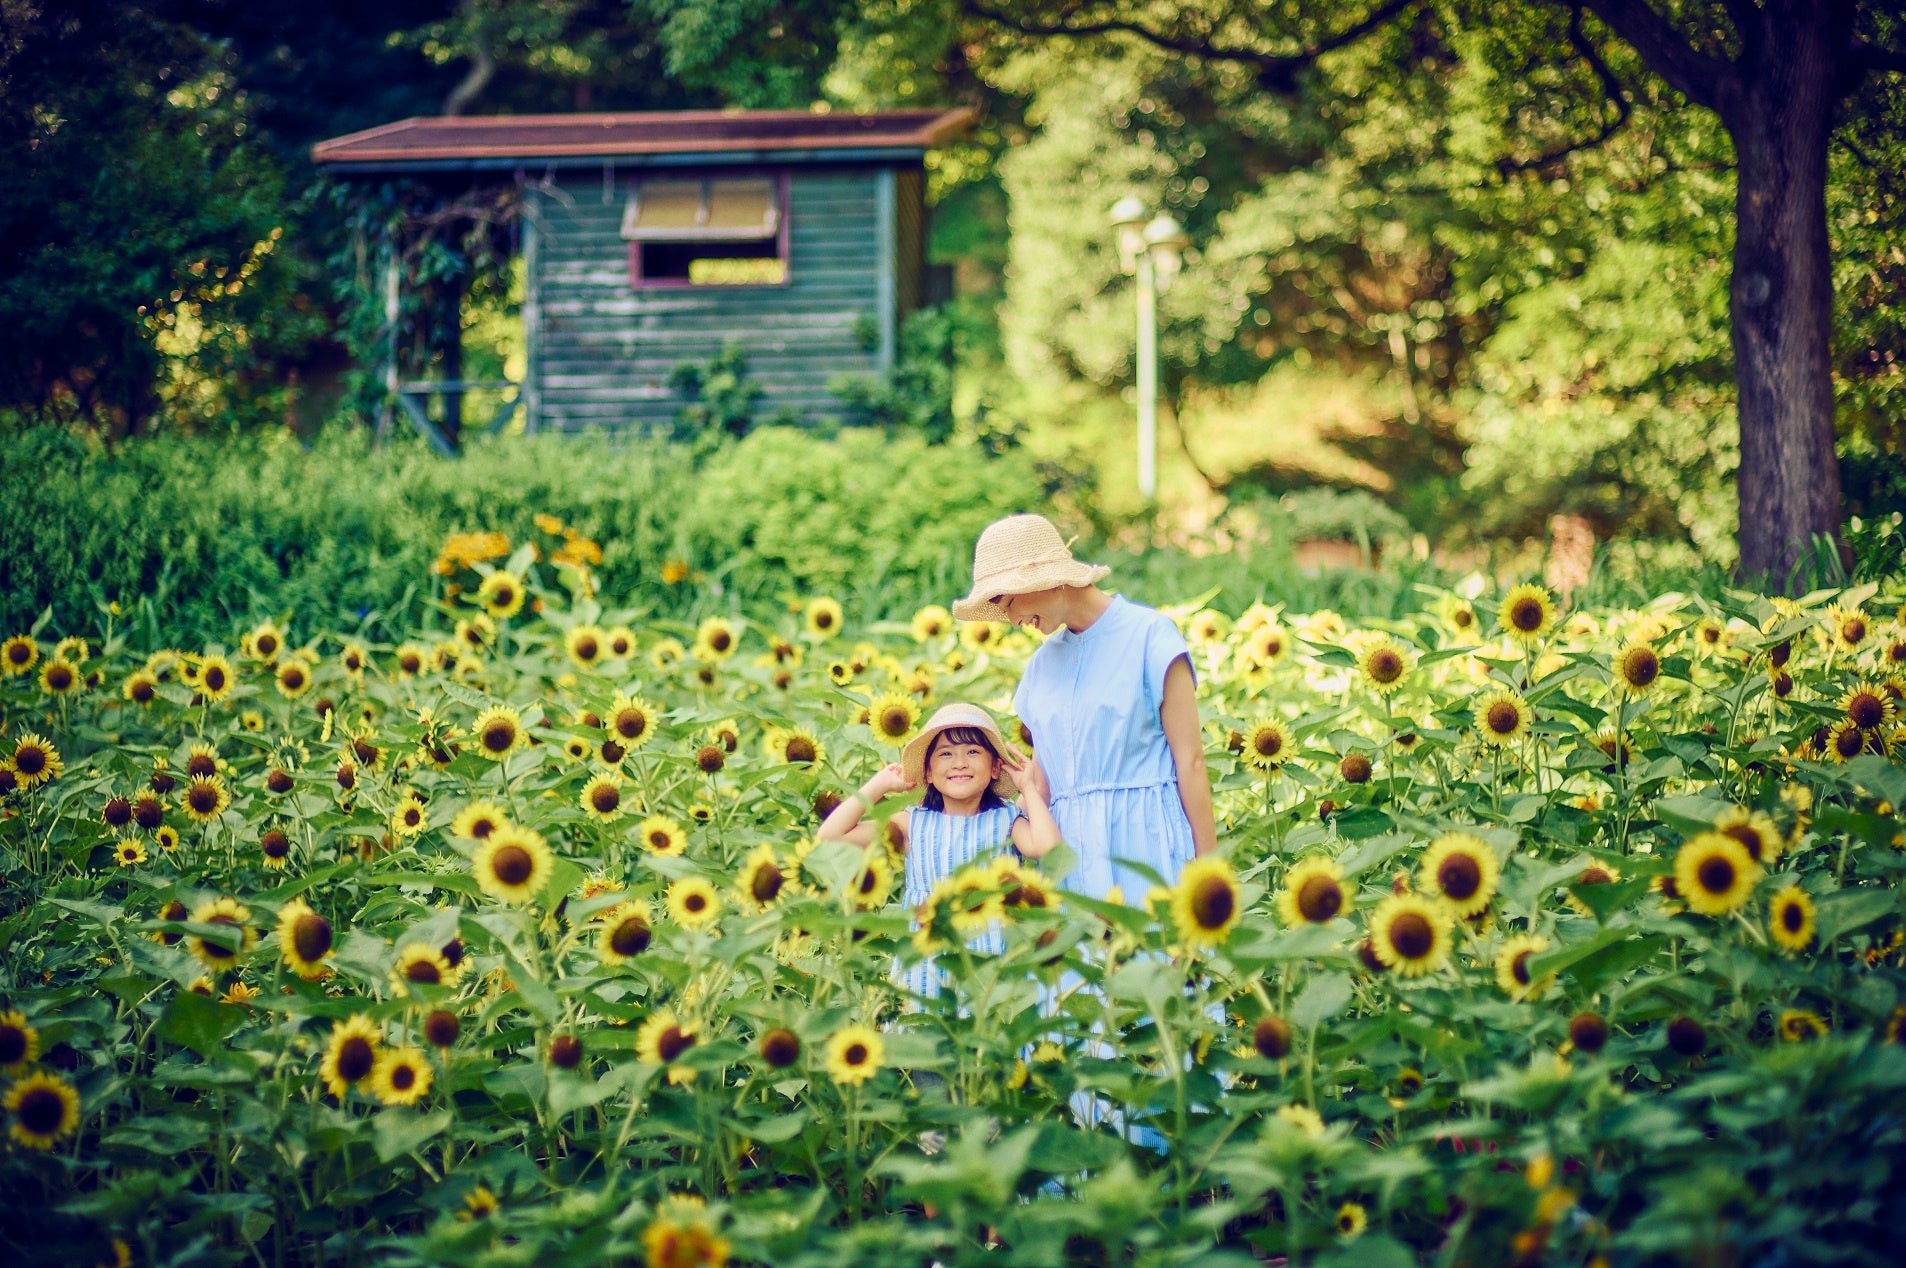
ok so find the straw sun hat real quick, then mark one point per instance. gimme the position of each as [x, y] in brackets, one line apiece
[1018, 555]
[913, 758]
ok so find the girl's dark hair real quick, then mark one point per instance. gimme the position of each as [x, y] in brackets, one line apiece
[988, 800]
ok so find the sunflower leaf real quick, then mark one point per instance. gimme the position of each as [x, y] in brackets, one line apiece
[397, 1131]
[1851, 909]
[1322, 998]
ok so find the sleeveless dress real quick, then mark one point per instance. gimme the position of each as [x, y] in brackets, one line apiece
[1091, 701]
[938, 845]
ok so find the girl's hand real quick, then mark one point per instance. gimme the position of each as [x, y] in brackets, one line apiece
[891, 778]
[1025, 774]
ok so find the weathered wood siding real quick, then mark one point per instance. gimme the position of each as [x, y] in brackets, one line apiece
[601, 351]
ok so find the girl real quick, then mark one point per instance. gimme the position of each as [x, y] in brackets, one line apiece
[968, 768]
[1110, 702]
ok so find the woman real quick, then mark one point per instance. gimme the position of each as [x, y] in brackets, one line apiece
[1111, 705]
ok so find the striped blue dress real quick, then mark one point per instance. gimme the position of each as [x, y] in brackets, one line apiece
[938, 845]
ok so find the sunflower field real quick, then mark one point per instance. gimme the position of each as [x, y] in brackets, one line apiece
[1537, 936]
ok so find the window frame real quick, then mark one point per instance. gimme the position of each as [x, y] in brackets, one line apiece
[779, 178]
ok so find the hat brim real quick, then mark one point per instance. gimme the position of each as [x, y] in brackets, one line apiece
[978, 605]
[913, 758]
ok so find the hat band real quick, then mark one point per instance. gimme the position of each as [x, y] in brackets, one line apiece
[984, 581]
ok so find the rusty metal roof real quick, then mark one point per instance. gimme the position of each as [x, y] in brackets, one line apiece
[720, 135]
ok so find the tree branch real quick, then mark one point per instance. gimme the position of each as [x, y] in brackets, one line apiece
[1611, 88]
[1697, 76]
[1276, 71]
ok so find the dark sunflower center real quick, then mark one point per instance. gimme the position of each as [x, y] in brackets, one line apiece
[612, 752]
[482, 828]
[1849, 742]
[780, 1048]
[587, 649]
[213, 678]
[1793, 917]
[142, 691]
[1866, 710]
[118, 812]
[869, 881]
[631, 723]
[1853, 630]
[1213, 902]
[1272, 1038]
[673, 1042]
[499, 736]
[1460, 875]
[274, 843]
[1519, 967]
[41, 1110]
[1595, 876]
[659, 840]
[12, 1045]
[854, 1054]
[410, 662]
[823, 620]
[29, 759]
[710, 758]
[605, 797]
[59, 677]
[1526, 615]
[1412, 935]
[202, 798]
[801, 749]
[1588, 1032]
[695, 904]
[1319, 899]
[503, 596]
[403, 1076]
[19, 653]
[199, 765]
[292, 677]
[355, 1059]
[894, 721]
[213, 949]
[512, 864]
[1268, 743]
[1503, 717]
[721, 640]
[1355, 768]
[1640, 668]
[1025, 896]
[766, 883]
[630, 936]
[1716, 874]
[311, 936]
[442, 1028]
[278, 781]
[423, 972]
[1463, 619]
[1386, 666]
[1749, 839]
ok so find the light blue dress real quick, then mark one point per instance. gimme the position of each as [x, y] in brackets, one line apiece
[1091, 702]
[938, 845]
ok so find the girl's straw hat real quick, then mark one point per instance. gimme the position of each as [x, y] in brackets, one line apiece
[1018, 555]
[913, 758]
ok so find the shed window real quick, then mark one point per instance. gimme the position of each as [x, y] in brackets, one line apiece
[706, 233]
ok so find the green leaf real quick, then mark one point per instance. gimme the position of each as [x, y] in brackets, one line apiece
[397, 1131]
[1372, 1250]
[1322, 997]
[200, 1023]
[1849, 909]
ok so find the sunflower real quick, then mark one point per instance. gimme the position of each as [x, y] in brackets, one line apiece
[1527, 614]
[420, 964]
[45, 1108]
[476, 821]
[1868, 706]
[602, 798]
[662, 835]
[1312, 894]
[354, 659]
[892, 717]
[1351, 1220]
[716, 639]
[840, 673]
[1410, 935]
[663, 1038]
[304, 939]
[970, 898]
[501, 594]
[402, 1076]
[1846, 741]
[410, 817]
[294, 677]
[18, 655]
[1502, 718]
[586, 645]
[1616, 747]
[213, 678]
[1356, 767]
[166, 837]
[1790, 918]
[854, 1055]
[1797, 1024]
[680, 1236]
[205, 799]
[625, 933]
[1384, 665]
[796, 745]
[630, 721]
[19, 1042]
[1847, 626]
[666, 653]
[441, 1028]
[35, 761]
[129, 853]
[930, 622]
[693, 903]
[1266, 745]
[499, 732]
[1205, 904]
[1595, 873]
[412, 659]
[512, 863]
[1755, 831]
[822, 617]
[872, 885]
[201, 761]
[351, 1055]
[140, 687]
[1637, 669]
[231, 914]
[762, 880]
[1714, 874]
[1462, 870]
[59, 677]
[1512, 967]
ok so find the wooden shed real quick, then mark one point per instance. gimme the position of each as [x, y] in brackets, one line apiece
[652, 240]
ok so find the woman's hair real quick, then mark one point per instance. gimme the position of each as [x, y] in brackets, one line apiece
[989, 800]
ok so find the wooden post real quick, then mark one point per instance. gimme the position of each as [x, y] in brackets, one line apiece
[387, 414]
[531, 392]
[885, 239]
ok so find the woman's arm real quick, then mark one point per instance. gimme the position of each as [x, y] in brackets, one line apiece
[1179, 716]
[847, 822]
[1036, 832]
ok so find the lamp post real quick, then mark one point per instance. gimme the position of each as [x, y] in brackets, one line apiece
[1151, 251]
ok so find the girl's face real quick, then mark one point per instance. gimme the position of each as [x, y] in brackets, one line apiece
[961, 770]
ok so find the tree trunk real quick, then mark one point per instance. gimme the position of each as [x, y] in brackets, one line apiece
[1779, 115]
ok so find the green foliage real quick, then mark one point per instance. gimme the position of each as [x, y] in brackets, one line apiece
[916, 396]
[724, 399]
